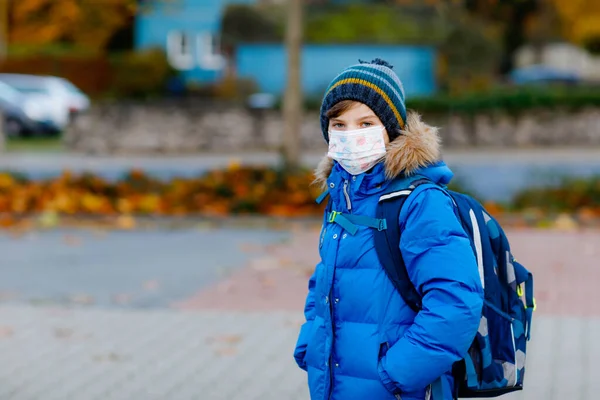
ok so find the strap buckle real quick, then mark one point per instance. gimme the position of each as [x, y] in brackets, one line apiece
[534, 305]
[333, 215]
[520, 294]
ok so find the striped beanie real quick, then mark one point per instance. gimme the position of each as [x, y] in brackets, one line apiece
[373, 84]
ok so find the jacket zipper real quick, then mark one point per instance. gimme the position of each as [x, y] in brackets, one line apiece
[331, 311]
[348, 203]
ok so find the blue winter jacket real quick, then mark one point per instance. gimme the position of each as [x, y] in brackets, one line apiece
[360, 340]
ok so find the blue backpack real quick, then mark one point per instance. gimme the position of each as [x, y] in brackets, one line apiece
[495, 362]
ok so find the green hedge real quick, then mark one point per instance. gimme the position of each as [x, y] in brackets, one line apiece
[569, 195]
[508, 100]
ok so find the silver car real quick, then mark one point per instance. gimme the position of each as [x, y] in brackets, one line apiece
[65, 98]
[23, 115]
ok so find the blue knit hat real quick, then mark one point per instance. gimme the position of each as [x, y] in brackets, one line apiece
[373, 84]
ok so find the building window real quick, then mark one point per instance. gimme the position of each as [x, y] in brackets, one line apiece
[209, 52]
[179, 50]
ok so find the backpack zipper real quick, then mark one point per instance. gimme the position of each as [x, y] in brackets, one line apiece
[512, 332]
[348, 203]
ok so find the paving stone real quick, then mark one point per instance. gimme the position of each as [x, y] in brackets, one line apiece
[225, 345]
[218, 355]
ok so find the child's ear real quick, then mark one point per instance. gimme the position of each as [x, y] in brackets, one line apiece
[386, 137]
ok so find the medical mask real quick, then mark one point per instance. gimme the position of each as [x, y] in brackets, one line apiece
[359, 150]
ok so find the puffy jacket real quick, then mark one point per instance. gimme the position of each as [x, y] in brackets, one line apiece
[360, 340]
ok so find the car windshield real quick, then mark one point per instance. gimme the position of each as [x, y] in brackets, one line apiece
[30, 89]
[26, 86]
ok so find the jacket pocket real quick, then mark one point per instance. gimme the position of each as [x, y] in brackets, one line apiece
[315, 345]
[384, 377]
[302, 343]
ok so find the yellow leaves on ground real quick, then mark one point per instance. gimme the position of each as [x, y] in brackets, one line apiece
[242, 190]
[6, 181]
[237, 189]
[126, 222]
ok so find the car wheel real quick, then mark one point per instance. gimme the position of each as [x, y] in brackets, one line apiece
[13, 127]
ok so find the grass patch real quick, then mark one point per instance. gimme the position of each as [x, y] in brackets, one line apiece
[34, 144]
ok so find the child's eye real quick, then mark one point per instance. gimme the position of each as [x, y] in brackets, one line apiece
[367, 124]
[338, 125]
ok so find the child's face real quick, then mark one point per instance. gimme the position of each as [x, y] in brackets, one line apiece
[358, 116]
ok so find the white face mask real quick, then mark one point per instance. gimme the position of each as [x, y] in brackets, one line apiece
[359, 150]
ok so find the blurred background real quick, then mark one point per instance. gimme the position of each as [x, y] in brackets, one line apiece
[157, 218]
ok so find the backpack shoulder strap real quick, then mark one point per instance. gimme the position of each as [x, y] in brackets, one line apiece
[387, 242]
[322, 196]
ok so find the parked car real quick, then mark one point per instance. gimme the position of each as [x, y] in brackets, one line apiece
[66, 99]
[24, 115]
[543, 75]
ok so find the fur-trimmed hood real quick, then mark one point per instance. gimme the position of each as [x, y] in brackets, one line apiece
[418, 146]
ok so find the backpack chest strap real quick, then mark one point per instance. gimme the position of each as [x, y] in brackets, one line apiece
[350, 221]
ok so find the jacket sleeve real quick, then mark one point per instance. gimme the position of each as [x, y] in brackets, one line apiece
[309, 314]
[441, 264]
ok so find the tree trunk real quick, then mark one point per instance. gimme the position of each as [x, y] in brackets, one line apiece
[513, 39]
[3, 29]
[546, 30]
[292, 104]
[515, 31]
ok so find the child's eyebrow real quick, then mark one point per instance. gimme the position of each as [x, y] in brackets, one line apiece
[366, 117]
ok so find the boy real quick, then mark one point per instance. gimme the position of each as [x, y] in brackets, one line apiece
[361, 341]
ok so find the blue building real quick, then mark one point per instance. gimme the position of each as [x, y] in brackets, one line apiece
[188, 30]
[266, 64]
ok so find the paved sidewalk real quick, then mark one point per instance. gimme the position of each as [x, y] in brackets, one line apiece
[234, 339]
[122, 269]
[53, 354]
